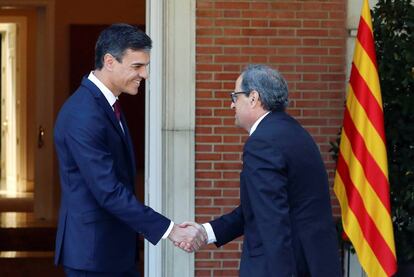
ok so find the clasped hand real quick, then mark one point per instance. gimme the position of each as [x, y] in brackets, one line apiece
[189, 236]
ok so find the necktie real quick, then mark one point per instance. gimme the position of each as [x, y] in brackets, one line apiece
[117, 110]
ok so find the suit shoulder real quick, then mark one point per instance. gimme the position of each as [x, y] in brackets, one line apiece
[80, 109]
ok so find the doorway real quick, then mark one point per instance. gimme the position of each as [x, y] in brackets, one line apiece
[16, 182]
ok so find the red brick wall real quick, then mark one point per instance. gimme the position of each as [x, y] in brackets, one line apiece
[305, 40]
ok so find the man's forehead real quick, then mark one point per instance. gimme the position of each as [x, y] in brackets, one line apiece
[239, 81]
[137, 56]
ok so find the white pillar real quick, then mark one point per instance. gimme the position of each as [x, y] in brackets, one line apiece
[170, 144]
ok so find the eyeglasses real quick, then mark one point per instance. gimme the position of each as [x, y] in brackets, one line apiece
[233, 95]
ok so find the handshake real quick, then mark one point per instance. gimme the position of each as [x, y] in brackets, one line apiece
[189, 236]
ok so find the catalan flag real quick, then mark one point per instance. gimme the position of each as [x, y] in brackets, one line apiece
[361, 180]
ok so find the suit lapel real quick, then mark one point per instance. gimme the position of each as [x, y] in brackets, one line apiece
[109, 112]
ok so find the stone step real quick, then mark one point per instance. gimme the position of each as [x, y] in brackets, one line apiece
[16, 202]
[28, 264]
[21, 231]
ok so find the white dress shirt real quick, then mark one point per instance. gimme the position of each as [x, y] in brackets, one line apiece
[110, 97]
[211, 237]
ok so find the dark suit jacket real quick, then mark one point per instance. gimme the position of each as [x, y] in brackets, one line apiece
[285, 212]
[99, 214]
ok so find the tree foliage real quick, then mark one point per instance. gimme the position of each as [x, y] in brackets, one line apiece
[393, 23]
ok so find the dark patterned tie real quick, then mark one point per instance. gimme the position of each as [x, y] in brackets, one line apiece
[117, 110]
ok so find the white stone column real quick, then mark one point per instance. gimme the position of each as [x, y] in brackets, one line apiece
[170, 127]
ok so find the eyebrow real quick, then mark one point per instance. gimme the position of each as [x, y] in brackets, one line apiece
[139, 64]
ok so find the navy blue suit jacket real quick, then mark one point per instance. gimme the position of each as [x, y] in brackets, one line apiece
[285, 212]
[99, 214]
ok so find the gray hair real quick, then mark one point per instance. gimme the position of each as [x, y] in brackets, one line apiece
[269, 83]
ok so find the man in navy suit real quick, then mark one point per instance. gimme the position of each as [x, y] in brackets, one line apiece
[99, 215]
[284, 213]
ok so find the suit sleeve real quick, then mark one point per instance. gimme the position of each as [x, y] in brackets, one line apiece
[265, 173]
[228, 227]
[85, 139]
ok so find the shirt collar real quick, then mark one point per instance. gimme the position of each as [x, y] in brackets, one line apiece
[257, 123]
[110, 97]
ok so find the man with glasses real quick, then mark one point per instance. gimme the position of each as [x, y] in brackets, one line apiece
[284, 212]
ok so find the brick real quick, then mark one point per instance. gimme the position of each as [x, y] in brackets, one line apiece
[224, 112]
[259, 32]
[203, 139]
[207, 156]
[227, 165]
[227, 183]
[259, 6]
[204, 4]
[204, 76]
[231, 41]
[203, 184]
[231, 59]
[208, 13]
[205, 22]
[311, 23]
[312, 51]
[225, 76]
[259, 23]
[285, 23]
[225, 255]
[208, 67]
[204, 112]
[206, 264]
[203, 202]
[203, 148]
[203, 273]
[204, 41]
[311, 14]
[258, 14]
[226, 202]
[208, 31]
[209, 193]
[231, 193]
[286, 5]
[231, 13]
[226, 130]
[208, 175]
[231, 32]
[203, 130]
[228, 148]
[209, 50]
[259, 42]
[231, 5]
[209, 103]
[203, 255]
[232, 23]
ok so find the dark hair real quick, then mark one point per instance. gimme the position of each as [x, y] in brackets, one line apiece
[269, 83]
[116, 39]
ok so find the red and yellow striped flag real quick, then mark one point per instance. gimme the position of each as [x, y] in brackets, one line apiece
[361, 180]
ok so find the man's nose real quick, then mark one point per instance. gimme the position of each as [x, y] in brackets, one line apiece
[232, 105]
[144, 72]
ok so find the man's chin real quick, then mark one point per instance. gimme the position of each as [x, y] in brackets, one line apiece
[131, 92]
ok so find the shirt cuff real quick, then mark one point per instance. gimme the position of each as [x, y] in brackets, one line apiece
[167, 233]
[211, 237]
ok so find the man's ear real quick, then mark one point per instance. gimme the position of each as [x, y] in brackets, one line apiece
[254, 98]
[108, 61]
